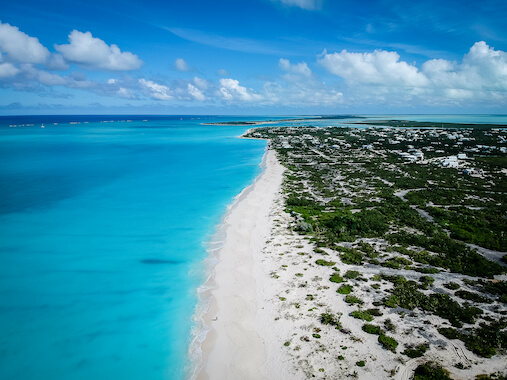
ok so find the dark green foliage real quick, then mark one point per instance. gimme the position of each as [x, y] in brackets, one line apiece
[353, 300]
[374, 312]
[431, 371]
[466, 295]
[388, 343]
[317, 336]
[427, 270]
[351, 274]
[361, 363]
[406, 294]
[417, 351]
[325, 263]
[484, 340]
[372, 329]
[365, 316]
[453, 255]
[351, 256]
[426, 281]
[452, 285]
[345, 289]
[367, 223]
[336, 278]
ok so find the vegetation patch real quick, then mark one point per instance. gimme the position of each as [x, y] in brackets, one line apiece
[345, 289]
[431, 371]
[364, 315]
[417, 351]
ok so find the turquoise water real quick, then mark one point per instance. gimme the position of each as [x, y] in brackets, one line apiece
[102, 232]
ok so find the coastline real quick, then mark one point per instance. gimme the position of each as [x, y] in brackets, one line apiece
[237, 340]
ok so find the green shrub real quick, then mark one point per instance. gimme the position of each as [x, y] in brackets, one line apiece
[372, 329]
[452, 285]
[431, 371]
[351, 274]
[417, 351]
[345, 289]
[388, 343]
[361, 363]
[353, 300]
[336, 278]
[466, 295]
[325, 263]
[365, 316]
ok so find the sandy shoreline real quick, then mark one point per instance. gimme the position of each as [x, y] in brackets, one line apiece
[237, 347]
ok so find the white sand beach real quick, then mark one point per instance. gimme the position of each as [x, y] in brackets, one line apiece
[268, 295]
[239, 344]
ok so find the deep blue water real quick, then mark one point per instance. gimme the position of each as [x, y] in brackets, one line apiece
[102, 232]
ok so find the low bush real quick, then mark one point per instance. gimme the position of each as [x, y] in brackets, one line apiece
[388, 343]
[345, 289]
[353, 300]
[417, 351]
[431, 371]
[336, 278]
[372, 329]
[365, 316]
[325, 263]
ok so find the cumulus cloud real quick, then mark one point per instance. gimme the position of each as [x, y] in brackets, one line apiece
[231, 90]
[380, 67]
[17, 46]
[304, 4]
[93, 53]
[181, 65]
[481, 75]
[155, 90]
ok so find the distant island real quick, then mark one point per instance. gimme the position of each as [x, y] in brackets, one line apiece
[425, 124]
[309, 118]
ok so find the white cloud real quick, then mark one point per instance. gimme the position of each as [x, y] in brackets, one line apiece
[304, 4]
[196, 93]
[95, 54]
[300, 68]
[8, 70]
[155, 90]
[181, 65]
[480, 76]
[378, 68]
[20, 47]
[231, 90]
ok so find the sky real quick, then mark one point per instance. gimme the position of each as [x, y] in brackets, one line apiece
[253, 57]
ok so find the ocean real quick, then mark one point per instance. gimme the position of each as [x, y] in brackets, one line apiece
[104, 230]
[103, 234]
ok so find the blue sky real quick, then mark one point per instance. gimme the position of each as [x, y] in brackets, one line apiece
[253, 57]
